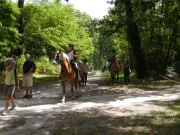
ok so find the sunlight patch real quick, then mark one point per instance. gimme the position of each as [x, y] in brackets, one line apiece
[2, 125]
[136, 129]
[87, 105]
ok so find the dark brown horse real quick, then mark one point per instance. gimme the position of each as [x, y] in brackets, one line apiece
[67, 74]
[82, 76]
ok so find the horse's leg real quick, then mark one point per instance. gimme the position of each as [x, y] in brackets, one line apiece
[76, 82]
[82, 80]
[117, 77]
[72, 90]
[128, 80]
[64, 93]
[85, 79]
[111, 78]
[125, 78]
[110, 75]
[79, 82]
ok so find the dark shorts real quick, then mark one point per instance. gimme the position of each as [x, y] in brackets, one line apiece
[9, 90]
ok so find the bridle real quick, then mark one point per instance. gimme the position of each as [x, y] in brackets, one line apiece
[59, 58]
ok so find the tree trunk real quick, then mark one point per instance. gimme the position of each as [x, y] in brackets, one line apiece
[21, 17]
[173, 34]
[152, 26]
[133, 34]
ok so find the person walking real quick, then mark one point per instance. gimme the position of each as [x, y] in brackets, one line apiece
[127, 72]
[29, 68]
[10, 77]
[85, 70]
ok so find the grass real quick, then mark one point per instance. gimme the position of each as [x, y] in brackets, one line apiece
[45, 78]
[140, 83]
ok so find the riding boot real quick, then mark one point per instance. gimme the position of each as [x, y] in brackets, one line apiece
[75, 67]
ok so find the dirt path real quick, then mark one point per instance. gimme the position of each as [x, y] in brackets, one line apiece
[102, 109]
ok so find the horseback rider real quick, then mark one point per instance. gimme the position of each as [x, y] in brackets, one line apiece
[112, 60]
[72, 54]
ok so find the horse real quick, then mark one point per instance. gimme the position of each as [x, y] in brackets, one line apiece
[67, 75]
[82, 76]
[114, 69]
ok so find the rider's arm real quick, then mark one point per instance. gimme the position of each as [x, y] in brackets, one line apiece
[75, 54]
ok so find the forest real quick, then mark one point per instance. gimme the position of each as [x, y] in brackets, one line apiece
[142, 36]
[145, 32]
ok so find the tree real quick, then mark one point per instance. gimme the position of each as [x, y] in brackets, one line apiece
[21, 17]
[134, 39]
[152, 32]
[9, 36]
[50, 26]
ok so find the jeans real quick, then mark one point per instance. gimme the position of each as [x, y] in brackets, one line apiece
[75, 67]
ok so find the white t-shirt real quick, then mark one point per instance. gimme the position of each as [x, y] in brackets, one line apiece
[71, 55]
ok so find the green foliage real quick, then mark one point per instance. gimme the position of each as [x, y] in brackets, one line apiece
[158, 23]
[9, 36]
[44, 65]
[20, 62]
[107, 40]
[49, 27]
[158, 26]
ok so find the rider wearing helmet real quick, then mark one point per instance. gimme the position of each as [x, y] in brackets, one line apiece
[112, 60]
[73, 57]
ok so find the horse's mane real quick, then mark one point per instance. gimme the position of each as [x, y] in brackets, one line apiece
[65, 56]
[67, 63]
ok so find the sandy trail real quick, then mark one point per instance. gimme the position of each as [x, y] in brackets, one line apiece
[42, 114]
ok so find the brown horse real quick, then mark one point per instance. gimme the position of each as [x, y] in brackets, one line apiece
[67, 75]
[82, 76]
[114, 71]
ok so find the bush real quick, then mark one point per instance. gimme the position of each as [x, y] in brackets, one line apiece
[20, 62]
[44, 65]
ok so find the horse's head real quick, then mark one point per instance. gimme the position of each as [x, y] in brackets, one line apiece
[66, 69]
[59, 58]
